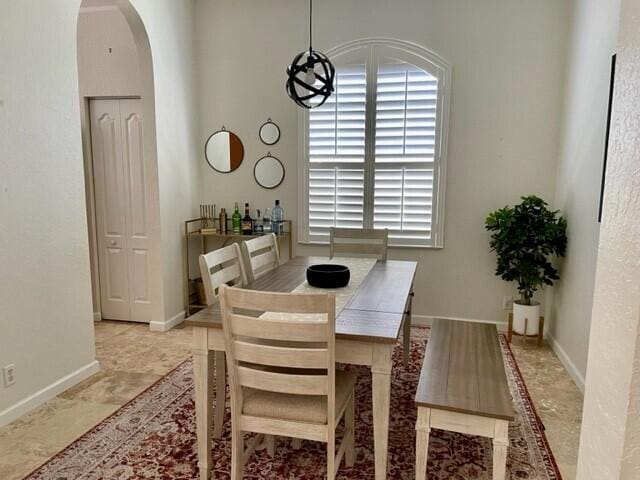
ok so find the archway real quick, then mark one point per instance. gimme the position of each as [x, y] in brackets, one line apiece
[115, 69]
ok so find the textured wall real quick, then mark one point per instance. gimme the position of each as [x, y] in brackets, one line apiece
[610, 443]
[504, 123]
[579, 175]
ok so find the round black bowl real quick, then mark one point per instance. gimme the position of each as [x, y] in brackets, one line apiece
[328, 276]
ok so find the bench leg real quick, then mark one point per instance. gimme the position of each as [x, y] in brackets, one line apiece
[423, 428]
[500, 444]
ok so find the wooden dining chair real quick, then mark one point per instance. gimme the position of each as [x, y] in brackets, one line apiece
[367, 242]
[282, 372]
[221, 267]
[262, 255]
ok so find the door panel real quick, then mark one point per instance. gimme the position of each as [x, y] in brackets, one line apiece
[137, 226]
[106, 146]
[121, 209]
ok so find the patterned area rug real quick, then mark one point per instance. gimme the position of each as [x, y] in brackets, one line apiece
[153, 437]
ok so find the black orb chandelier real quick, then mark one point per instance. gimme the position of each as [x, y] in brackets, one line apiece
[310, 75]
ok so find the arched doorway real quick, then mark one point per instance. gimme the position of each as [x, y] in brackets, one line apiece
[115, 78]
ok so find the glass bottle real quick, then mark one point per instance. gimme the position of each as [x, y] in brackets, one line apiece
[247, 221]
[257, 224]
[235, 221]
[277, 216]
[266, 221]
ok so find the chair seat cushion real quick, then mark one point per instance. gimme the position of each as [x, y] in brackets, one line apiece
[302, 408]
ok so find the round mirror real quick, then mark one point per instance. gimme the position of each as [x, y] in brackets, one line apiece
[269, 133]
[224, 151]
[268, 172]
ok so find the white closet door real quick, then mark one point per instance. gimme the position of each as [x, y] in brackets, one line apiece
[136, 214]
[120, 206]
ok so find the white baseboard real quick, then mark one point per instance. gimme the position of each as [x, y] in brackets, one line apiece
[97, 316]
[566, 361]
[167, 324]
[47, 393]
[426, 320]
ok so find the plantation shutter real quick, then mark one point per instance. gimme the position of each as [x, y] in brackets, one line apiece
[405, 136]
[373, 149]
[336, 142]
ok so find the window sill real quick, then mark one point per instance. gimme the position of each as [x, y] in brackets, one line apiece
[399, 247]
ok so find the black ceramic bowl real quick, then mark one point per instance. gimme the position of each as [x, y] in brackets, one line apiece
[328, 276]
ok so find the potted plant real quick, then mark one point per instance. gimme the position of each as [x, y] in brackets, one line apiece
[524, 238]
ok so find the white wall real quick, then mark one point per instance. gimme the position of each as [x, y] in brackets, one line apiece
[610, 437]
[508, 70]
[46, 326]
[107, 56]
[170, 27]
[578, 180]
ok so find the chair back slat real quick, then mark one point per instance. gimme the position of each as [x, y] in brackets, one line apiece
[263, 254]
[282, 382]
[242, 299]
[221, 267]
[358, 242]
[281, 355]
[282, 329]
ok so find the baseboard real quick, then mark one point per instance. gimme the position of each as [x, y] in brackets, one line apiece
[24, 406]
[167, 324]
[97, 316]
[426, 320]
[566, 361]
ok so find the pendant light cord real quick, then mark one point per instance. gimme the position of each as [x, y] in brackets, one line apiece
[310, 25]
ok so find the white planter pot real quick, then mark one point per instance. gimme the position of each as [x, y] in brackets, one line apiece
[526, 314]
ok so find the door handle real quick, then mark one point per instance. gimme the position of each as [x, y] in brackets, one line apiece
[113, 243]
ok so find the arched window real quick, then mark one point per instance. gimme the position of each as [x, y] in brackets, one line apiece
[375, 151]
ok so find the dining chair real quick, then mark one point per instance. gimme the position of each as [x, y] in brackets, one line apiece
[262, 255]
[358, 241]
[282, 373]
[221, 267]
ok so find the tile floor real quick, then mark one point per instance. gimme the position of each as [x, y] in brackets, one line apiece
[132, 358]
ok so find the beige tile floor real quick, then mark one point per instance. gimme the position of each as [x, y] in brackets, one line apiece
[132, 358]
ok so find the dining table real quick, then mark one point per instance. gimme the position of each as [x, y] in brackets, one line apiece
[368, 328]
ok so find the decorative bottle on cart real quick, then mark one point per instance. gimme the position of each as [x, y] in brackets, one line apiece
[266, 221]
[247, 221]
[277, 217]
[235, 221]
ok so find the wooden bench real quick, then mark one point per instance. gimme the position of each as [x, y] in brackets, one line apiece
[463, 388]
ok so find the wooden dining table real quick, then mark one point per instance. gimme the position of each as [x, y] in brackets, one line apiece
[367, 330]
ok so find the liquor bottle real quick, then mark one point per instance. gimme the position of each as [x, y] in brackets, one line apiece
[247, 221]
[266, 221]
[257, 224]
[235, 221]
[223, 221]
[277, 216]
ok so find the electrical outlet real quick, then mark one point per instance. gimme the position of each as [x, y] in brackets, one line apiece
[9, 375]
[507, 303]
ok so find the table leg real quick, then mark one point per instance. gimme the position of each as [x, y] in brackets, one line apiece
[423, 429]
[203, 365]
[381, 385]
[221, 393]
[406, 332]
[500, 444]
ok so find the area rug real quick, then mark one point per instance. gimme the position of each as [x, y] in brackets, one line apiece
[153, 437]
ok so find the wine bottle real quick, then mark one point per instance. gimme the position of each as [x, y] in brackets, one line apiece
[235, 221]
[247, 221]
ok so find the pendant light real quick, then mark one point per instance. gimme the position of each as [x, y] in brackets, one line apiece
[310, 75]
